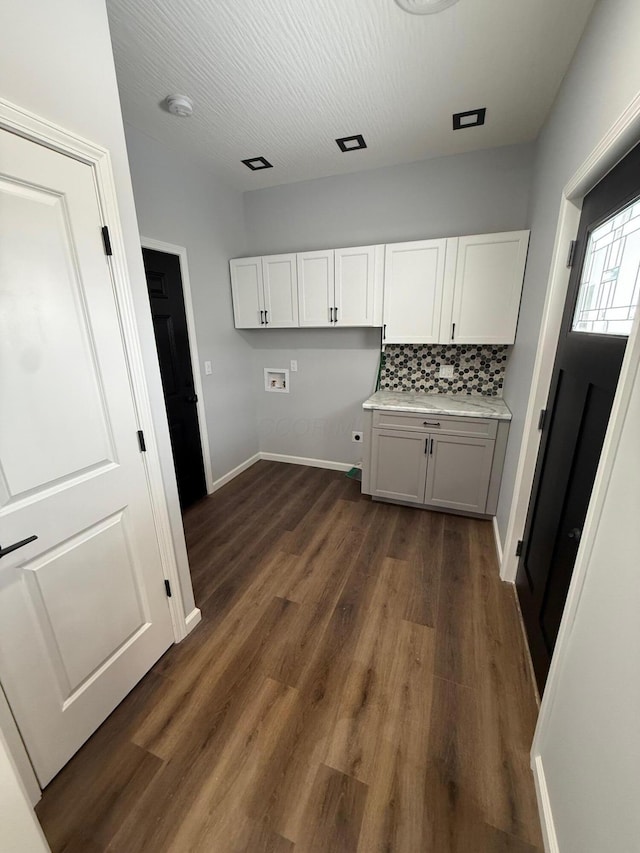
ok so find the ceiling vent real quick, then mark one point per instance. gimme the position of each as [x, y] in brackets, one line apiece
[424, 7]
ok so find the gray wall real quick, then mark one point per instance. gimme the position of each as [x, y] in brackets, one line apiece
[590, 745]
[181, 203]
[602, 79]
[463, 194]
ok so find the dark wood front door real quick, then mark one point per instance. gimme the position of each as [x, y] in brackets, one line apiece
[164, 284]
[599, 309]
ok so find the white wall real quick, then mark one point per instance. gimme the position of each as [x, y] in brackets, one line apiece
[181, 203]
[463, 194]
[602, 80]
[56, 60]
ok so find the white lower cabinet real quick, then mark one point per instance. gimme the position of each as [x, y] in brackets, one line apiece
[459, 469]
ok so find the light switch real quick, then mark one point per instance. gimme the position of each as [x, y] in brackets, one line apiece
[207, 368]
[445, 371]
[294, 365]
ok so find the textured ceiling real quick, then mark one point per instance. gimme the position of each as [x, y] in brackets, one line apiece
[283, 78]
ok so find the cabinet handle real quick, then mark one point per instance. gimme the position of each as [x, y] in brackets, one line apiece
[453, 331]
[335, 315]
[431, 423]
[11, 548]
[426, 446]
[262, 318]
[431, 448]
[266, 317]
[331, 315]
[384, 331]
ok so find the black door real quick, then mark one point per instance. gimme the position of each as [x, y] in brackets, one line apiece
[600, 304]
[164, 284]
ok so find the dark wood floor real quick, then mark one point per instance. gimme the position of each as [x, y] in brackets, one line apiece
[359, 683]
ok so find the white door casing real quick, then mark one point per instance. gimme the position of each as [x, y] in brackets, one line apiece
[413, 287]
[83, 610]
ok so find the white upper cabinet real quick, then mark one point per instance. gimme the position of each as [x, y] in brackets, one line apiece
[316, 288]
[485, 301]
[413, 287]
[358, 286]
[280, 290]
[247, 292]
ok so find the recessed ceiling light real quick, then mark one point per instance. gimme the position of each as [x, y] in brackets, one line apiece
[257, 163]
[424, 7]
[179, 105]
[472, 118]
[351, 143]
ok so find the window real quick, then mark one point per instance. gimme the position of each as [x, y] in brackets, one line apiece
[610, 284]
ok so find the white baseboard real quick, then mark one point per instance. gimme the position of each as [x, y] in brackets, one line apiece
[496, 534]
[304, 460]
[544, 807]
[222, 481]
[192, 619]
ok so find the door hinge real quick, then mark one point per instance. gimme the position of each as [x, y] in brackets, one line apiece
[573, 245]
[106, 239]
[519, 547]
[167, 587]
[143, 446]
[541, 419]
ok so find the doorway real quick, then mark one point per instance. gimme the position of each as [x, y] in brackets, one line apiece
[598, 314]
[182, 395]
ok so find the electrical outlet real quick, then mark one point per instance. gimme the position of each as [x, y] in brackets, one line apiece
[207, 368]
[294, 365]
[357, 437]
[445, 371]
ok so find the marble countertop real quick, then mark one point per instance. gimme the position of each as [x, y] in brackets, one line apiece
[464, 405]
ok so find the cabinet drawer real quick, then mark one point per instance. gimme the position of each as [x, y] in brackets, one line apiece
[476, 427]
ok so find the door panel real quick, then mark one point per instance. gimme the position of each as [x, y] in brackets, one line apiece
[585, 376]
[316, 288]
[83, 610]
[358, 286]
[247, 292]
[399, 465]
[280, 290]
[164, 284]
[459, 471]
[413, 286]
[488, 284]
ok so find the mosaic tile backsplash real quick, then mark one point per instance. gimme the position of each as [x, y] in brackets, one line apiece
[414, 367]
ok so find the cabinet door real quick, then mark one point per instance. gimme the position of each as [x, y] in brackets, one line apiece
[315, 288]
[413, 285]
[398, 465]
[459, 472]
[358, 286]
[247, 292]
[280, 290]
[488, 285]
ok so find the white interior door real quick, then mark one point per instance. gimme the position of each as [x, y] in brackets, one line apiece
[247, 293]
[83, 609]
[413, 287]
[280, 290]
[358, 286]
[488, 285]
[315, 288]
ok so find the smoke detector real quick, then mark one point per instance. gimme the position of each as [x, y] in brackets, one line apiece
[179, 105]
[424, 7]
